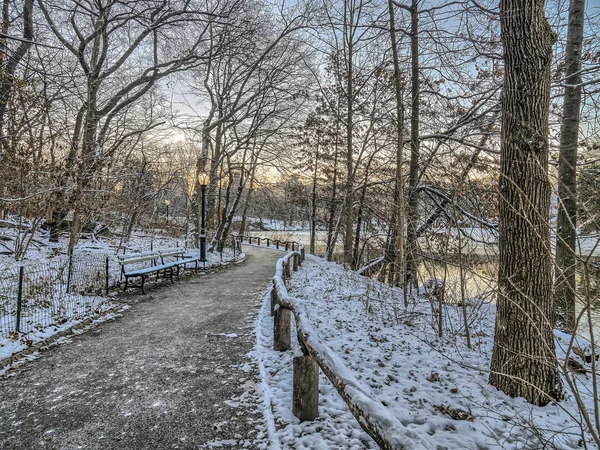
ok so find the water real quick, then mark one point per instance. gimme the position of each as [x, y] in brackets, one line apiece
[479, 276]
[480, 281]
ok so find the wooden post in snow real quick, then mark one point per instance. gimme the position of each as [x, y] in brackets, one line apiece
[281, 329]
[305, 395]
[286, 269]
[295, 266]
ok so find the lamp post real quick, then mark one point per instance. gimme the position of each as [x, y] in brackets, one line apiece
[203, 180]
[167, 203]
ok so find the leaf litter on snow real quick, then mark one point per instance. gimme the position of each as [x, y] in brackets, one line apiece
[435, 386]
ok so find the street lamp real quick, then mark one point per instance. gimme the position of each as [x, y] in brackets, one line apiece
[167, 203]
[203, 180]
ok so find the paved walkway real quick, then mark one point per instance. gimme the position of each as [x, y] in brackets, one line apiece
[169, 374]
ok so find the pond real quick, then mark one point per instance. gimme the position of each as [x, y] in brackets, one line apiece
[479, 274]
[480, 281]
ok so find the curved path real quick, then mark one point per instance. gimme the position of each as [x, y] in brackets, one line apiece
[171, 373]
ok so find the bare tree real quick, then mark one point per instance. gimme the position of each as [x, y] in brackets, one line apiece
[566, 222]
[11, 58]
[524, 358]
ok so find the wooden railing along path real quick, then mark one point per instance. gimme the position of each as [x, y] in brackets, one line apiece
[373, 417]
[279, 244]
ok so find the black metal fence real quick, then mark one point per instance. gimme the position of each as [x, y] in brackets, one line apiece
[64, 289]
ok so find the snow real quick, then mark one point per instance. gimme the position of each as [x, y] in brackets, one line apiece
[435, 388]
[90, 307]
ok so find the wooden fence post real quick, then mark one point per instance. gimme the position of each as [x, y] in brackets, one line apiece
[305, 394]
[274, 299]
[281, 330]
[295, 266]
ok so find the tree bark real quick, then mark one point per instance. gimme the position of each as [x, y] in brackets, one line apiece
[243, 223]
[313, 211]
[524, 357]
[566, 222]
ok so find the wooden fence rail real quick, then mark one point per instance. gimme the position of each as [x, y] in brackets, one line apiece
[373, 417]
[277, 243]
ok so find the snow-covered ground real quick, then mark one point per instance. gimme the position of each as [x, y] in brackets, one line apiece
[90, 307]
[436, 387]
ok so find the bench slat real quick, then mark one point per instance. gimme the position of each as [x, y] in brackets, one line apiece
[175, 253]
[136, 273]
[141, 259]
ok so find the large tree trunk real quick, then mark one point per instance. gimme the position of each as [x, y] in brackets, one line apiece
[566, 222]
[359, 220]
[524, 357]
[413, 179]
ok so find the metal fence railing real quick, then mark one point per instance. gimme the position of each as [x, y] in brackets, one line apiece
[64, 289]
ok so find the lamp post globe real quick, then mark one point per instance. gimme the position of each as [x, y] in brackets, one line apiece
[167, 203]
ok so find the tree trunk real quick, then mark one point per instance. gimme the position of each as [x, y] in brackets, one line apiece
[313, 212]
[524, 357]
[247, 202]
[413, 196]
[398, 270]
[349, 28]
[359, 221]
[331, 238]
[10, 63]
[196, 198]
[213, 190]
[566, 222]
[130, 225]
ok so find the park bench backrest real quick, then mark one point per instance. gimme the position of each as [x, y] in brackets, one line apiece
[140, 258]
[167, 254]
[176, 253]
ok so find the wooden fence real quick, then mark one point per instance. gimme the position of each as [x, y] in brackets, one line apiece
[373, 417]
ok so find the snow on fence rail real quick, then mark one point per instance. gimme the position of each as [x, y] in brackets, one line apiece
[373, 417]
